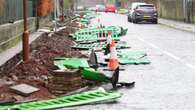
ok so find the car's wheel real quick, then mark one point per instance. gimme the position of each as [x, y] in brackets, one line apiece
[135, 21]
[155, 21]
[129, 19]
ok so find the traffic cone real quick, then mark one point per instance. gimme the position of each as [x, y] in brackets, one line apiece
[108, 42]
[113, 61]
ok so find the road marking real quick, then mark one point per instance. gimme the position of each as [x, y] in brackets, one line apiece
[152, 45]
[141, 39]
[156, 47]
[168, 53]
[171, 55]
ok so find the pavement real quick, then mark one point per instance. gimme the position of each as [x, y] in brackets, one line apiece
[8, 54]
[178, 25]
[168, 83]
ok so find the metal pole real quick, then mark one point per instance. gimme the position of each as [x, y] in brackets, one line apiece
[62, 4]
[55, 16]
[25, 38]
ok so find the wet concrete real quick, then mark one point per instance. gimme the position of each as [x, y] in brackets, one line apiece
[168, 83]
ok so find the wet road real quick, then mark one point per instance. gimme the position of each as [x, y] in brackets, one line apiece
[168, 83]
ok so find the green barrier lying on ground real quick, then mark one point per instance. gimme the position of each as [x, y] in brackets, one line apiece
[132, 57]
[125, 61]
[4, 107]
[91, 74]
[127, 57]
[69, 101]
[85, 21]
[86, 71]
[71, 63]
[131, 54]
[107, 76]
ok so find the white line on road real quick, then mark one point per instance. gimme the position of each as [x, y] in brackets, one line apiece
[152, 45]
[141, 39]
[167, 53]
[171, 55]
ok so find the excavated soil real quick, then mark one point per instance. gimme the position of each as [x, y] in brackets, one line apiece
[37, 71]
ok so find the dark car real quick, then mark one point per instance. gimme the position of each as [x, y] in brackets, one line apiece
[145, 12]
[132, 9]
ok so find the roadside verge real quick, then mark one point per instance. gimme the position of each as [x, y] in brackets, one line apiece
[177, 25]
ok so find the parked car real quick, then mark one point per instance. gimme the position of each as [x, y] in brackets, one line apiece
[132, 9]
[146, 12]
[111, 8]
[100, 8]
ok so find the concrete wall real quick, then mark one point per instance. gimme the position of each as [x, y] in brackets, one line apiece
[193, 16]
[11, 33]
[173, 9]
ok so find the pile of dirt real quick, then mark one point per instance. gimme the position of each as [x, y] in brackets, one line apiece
[37, 71]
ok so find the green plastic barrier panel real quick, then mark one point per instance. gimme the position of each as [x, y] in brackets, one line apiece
[126, 57]
[116, 30]
[93, 37]
[71, 63]
[101, 33]
[131, 54]
[4, 107]
[91, 74]
[106, 76]
[88, 17]
[59, 64]
[124, 61]
[70, 101]
[86, 37]
[132, 57]
[86, 46]
[102, 45]
[85, 21]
